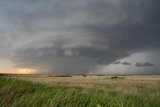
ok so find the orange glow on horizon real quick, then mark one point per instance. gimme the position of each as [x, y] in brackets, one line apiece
[8, 67]
[25, 71]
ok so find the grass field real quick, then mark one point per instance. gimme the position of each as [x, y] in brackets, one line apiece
[79, 91]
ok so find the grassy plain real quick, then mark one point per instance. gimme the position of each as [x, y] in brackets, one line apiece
[80, 91]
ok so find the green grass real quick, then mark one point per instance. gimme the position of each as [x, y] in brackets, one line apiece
[20, 93]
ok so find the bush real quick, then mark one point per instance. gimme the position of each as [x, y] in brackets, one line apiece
[117, 77]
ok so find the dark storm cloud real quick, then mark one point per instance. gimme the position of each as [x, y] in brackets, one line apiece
[115, 63]
[146, 64]
[76, 36]
[126, 63]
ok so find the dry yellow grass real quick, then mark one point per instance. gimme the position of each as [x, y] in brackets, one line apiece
[128, 85]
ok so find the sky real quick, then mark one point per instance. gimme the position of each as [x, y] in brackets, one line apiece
[80, 36]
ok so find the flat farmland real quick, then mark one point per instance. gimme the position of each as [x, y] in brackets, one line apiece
[81, 90]
[100, 82]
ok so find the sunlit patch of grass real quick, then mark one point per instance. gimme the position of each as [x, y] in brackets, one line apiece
[61, 75]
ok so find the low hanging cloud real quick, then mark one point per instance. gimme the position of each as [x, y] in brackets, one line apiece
[116, 63]
[146, 64]
[61, 36]
[126, 63]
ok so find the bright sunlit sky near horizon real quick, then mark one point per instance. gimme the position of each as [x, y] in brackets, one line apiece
[80, 36]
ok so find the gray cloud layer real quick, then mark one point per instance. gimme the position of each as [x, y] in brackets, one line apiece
[76, 36]
[146, 64]
[126, 63]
